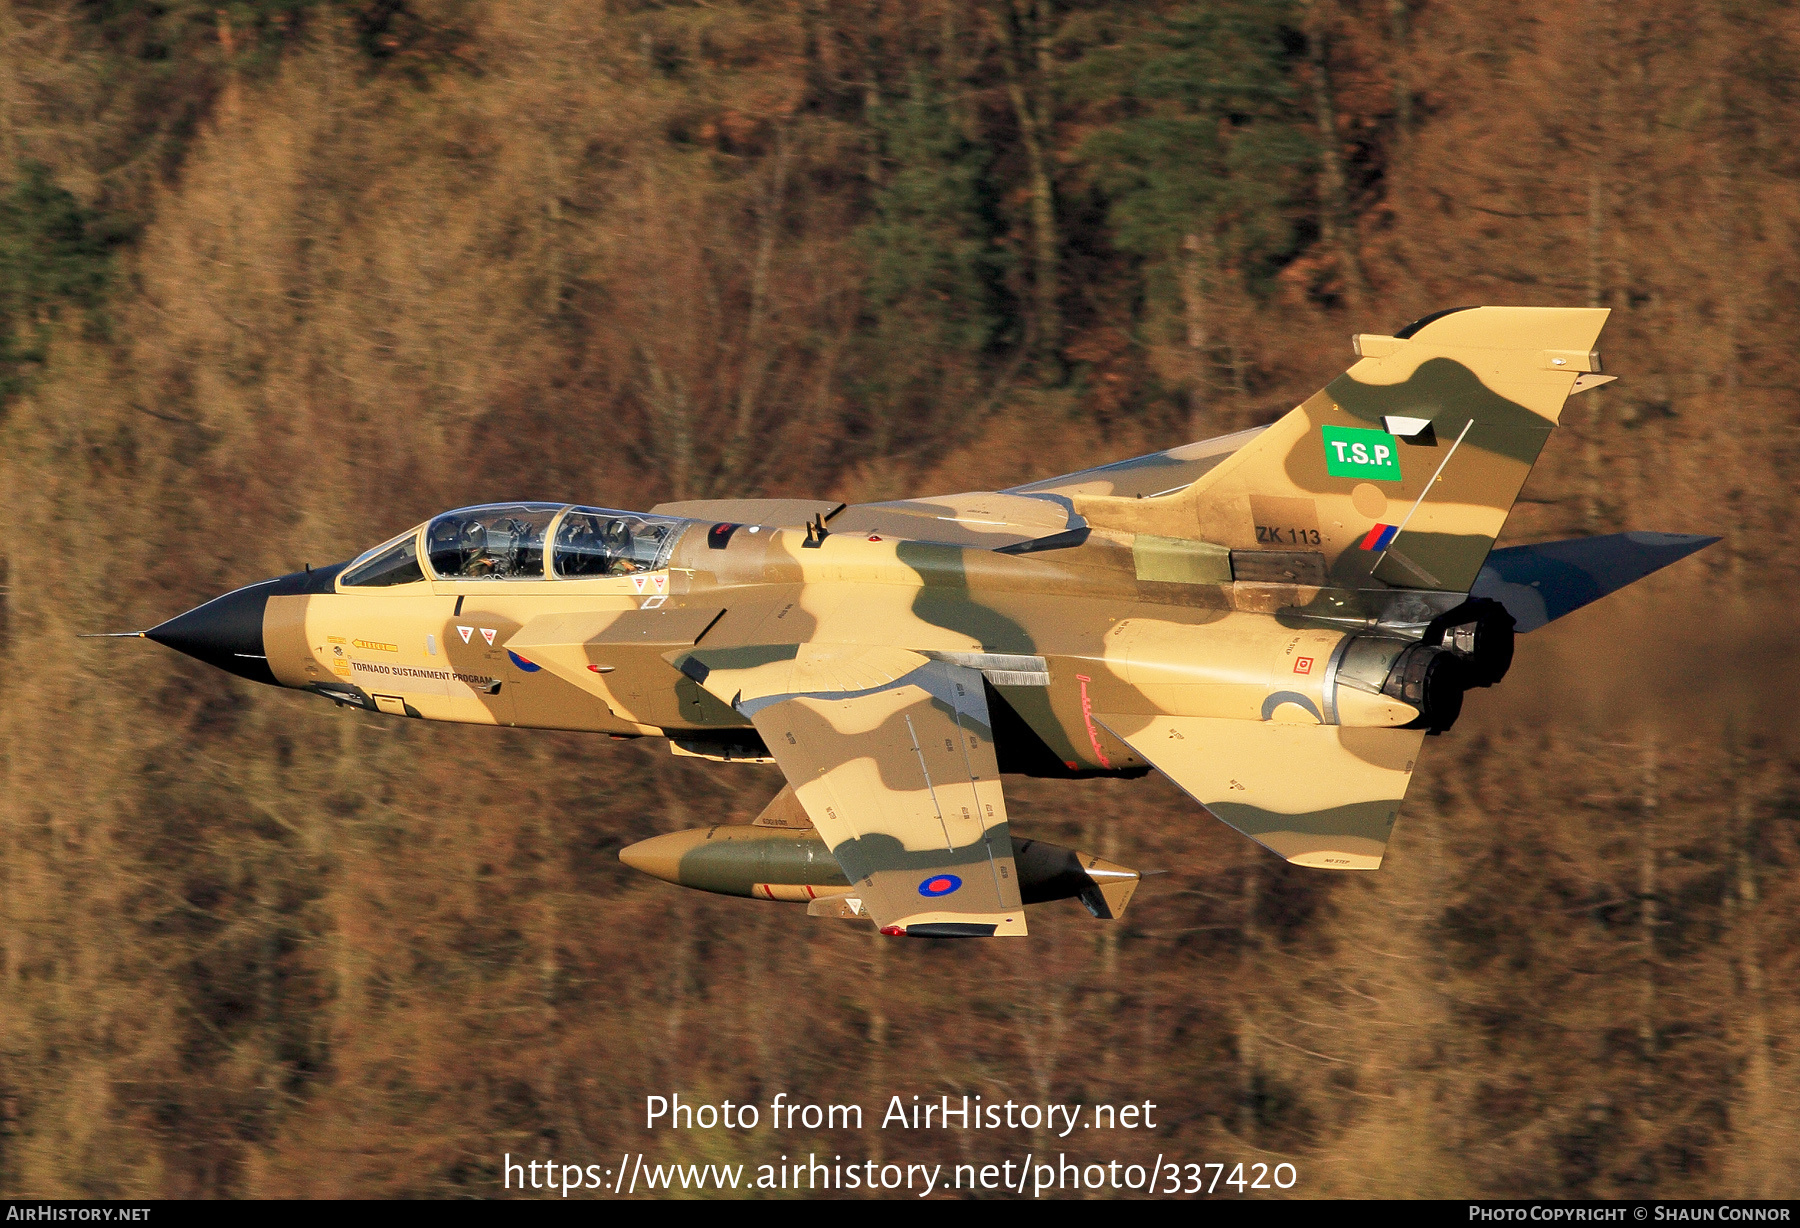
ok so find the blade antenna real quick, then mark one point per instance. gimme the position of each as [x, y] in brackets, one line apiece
[1426, 491]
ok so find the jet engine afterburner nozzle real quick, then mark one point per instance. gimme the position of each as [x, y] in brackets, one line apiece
[1481, 632]
[1431, 679]
[1424, 676]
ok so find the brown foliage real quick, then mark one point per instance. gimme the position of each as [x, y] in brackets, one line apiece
[566, 250]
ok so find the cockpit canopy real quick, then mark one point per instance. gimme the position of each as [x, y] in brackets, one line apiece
[591, 541]
[505, 541]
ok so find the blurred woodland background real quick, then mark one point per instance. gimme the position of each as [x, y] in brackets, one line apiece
[279, 278]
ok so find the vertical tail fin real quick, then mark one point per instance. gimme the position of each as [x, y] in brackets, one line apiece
[1401, 470]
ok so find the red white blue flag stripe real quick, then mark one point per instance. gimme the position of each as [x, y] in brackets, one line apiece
[1379, 537]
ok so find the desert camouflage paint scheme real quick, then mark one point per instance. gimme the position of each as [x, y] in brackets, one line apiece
[1275, 620]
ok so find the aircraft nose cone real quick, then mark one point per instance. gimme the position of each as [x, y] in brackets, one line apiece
[227, 632]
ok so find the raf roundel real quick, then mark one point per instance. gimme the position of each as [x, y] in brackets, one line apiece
[939, 884]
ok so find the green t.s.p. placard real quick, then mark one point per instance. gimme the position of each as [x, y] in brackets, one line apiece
[1356, 452]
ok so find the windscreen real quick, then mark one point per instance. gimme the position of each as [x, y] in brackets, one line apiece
[391, 563]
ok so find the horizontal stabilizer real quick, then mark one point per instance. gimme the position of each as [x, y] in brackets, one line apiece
[1051, 872]
[1324, 796]
[1539, 584]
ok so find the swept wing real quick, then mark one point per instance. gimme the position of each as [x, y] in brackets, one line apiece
[892, 757]
[1039, 512]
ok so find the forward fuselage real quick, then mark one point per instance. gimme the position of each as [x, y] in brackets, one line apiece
[1059, 634]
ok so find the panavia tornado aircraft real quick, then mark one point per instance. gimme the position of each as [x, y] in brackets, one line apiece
[1275, 620]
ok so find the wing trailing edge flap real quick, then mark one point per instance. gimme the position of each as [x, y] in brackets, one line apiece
[891, 756]
[1323, 796]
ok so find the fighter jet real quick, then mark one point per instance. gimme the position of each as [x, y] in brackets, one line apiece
[1275, 620]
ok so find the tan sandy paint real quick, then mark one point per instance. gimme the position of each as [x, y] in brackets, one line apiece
[1230, 628]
